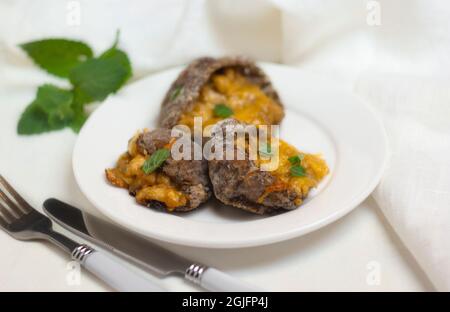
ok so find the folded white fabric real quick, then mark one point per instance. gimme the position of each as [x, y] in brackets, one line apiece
[401, 67]
[414, 193]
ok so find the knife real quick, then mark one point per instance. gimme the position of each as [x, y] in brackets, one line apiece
[143, 253]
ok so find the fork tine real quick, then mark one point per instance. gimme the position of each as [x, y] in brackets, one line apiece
[3, 222]
[13, 208]
[5, 215]
[22, 203]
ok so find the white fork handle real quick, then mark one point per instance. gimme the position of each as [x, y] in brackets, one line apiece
[215, 280]
[116, 274]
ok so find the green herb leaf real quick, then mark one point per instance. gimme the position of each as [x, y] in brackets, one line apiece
[98, 77]
[57, 56]
[78, 121]
[93, 79]
[223, 111]
[116, 40]
[118, 56]
[80, 115]
[56, 103]
[294, 160]
[33, 121]
[265, 149]
[298, 171]
[51, 110]
[176, 92]
[155, 160]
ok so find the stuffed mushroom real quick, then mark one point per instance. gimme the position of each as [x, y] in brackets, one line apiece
[148, 172]
[215, 89]
[244, 184]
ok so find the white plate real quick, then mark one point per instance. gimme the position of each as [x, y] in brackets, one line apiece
[320, 118]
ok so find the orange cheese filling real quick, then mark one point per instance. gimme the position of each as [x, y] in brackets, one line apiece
[155, 186]
[315, 170]
[247, 101]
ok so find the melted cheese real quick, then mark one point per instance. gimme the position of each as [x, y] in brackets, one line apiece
[156, 186]
[315, 167]
[248, 102]
[163, 193]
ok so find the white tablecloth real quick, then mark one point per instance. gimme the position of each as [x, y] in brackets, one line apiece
[400, 66]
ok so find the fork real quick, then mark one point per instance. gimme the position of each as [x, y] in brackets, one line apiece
[23, 222]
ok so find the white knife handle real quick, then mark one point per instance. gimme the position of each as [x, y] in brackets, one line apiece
[113, 273]
[215, 280]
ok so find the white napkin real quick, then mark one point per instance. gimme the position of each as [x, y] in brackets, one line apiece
[401, 67]
[414, 193]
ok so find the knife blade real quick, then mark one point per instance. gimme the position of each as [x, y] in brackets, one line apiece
[115, 239]
[143, 253]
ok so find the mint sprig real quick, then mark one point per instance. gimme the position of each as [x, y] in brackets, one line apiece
[57, 56]
[92, 79]
[176, 92]
[155, 160]
[223, 111]
[98, 77]
[295, 160]
[51, 110]
[298, 171]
